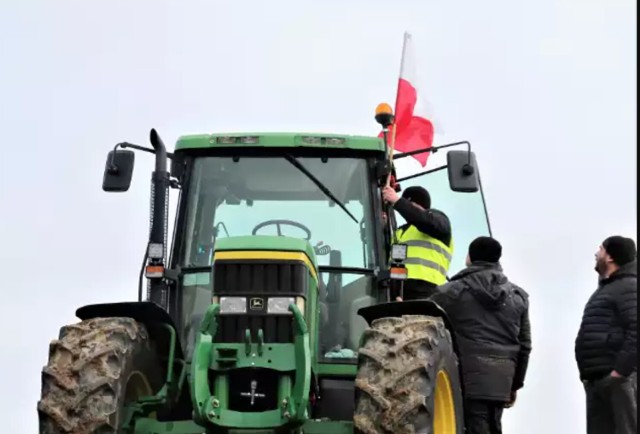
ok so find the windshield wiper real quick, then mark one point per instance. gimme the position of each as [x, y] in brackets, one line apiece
[318, 183]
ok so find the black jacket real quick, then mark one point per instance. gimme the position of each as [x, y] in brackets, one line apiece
[607, 339]
[490, 317]
[431, 221]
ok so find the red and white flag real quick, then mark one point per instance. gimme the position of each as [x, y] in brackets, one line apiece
[414, 124]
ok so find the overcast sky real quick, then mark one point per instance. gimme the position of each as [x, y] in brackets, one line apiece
[544, 90]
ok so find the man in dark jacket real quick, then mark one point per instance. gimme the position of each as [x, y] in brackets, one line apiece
[606, 345]
[490, 316]
[427, 234]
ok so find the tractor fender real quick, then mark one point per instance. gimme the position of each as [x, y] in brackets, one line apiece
[413, 307]
[145, 312]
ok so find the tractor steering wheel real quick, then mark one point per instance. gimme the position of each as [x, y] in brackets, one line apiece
[279, 223]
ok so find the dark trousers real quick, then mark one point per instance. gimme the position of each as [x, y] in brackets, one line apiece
[415, 289]
[612, 404]
[483, 417]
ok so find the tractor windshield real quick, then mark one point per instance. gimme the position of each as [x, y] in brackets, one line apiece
[270, 196]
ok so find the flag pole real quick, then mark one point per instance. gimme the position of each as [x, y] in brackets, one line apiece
[393, 132]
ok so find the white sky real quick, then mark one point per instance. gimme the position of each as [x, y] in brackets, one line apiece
[544, 90]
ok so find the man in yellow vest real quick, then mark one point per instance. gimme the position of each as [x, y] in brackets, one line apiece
[427, 234]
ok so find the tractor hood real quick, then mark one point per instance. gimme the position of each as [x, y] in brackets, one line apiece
[266, 247]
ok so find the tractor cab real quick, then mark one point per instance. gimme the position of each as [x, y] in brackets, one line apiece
[323, 190]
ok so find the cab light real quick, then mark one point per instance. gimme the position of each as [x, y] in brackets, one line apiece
[336, 141]
[154, 271]
[155, 251]
[226, 140]
[384, 109]
[398, 273]
[399, 252]
[249, 140]
[311, 140]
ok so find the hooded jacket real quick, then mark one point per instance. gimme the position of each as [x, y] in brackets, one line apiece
[607, 338]
[490, 317]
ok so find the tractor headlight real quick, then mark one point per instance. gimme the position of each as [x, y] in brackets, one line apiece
[231, 305]
[398, 252]
[275, 305]
[279, 305]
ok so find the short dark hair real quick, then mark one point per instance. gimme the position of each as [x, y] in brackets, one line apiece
[485, 249]
[621, 249]
[418, 195]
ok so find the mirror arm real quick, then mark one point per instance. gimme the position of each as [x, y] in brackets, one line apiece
[124, 145]
[114, 169]
[426, 172]
[434, 149]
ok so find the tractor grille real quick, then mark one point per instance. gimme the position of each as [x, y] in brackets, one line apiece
[253, 278]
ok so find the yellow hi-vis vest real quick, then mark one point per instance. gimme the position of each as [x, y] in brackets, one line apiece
[427, 258]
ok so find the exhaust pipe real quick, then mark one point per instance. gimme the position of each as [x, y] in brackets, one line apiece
[157, 290]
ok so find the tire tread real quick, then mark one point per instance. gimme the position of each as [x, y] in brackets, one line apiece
[83, 378]
[395, 356]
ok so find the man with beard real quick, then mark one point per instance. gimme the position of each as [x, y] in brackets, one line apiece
[490, 316]
[606, 345]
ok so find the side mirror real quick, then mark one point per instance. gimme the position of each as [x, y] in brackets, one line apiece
[118, 171]
[463, 171]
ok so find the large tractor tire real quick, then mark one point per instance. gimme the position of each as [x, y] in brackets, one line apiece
[408, 380]
[95, 369]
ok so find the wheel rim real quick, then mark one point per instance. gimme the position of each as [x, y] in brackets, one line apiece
[137, 387]
[444, 421]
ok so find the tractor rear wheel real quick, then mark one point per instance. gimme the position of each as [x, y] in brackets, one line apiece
[408, 380]
[95, 369]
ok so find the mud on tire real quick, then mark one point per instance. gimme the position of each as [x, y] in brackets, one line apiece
[398, 364]
[94, 368]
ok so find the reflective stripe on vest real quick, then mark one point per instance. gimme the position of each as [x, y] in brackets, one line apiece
[427, 258]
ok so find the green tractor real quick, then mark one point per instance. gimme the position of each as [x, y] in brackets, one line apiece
[272, 310]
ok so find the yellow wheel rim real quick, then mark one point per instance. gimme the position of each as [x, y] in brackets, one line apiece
[137, 387]
[444, 417]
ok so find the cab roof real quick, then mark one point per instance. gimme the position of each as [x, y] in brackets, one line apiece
[287, 140]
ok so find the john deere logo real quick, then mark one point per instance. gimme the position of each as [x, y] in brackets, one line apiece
[256, 304]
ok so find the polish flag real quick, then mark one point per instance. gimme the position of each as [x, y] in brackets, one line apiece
[414, 124]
